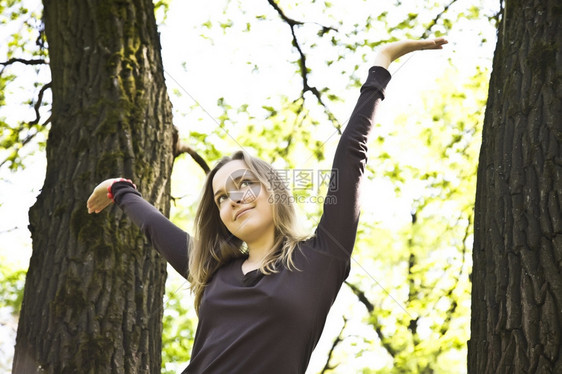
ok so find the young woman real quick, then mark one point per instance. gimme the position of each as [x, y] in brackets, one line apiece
[262, 290]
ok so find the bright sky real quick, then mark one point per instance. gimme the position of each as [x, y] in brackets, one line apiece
[213, 69]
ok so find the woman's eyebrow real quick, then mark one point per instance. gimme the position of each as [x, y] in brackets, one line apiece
[218, 192]
[237, 179]
[245, 175]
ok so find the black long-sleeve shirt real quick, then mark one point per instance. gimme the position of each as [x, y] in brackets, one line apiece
[255, 323]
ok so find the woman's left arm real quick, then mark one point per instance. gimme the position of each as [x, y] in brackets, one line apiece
[338, 226]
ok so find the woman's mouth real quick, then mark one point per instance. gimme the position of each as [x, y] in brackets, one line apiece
[240, 212]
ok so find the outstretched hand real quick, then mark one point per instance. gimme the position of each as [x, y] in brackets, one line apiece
[393, 51]
[99, 200]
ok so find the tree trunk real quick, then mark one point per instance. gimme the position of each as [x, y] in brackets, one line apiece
[517, 275]
[93, 294]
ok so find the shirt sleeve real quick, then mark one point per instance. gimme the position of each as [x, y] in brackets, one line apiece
[168, 239]
[338, 225]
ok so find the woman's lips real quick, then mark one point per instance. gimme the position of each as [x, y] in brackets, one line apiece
[240, 212]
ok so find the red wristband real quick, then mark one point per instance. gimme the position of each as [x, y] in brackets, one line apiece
[110, 195]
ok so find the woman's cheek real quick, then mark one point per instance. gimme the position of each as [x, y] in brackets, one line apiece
[223, 215]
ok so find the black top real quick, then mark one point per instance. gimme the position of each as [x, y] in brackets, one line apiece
[257, 323]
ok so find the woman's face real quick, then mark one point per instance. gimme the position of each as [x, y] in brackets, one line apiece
[243, 202]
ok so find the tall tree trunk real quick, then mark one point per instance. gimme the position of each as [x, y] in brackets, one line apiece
[517, 271]
[93, 294]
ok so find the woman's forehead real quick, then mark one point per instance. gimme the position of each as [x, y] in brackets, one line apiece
[232, 170]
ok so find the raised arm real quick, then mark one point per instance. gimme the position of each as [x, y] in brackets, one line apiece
[338, 226]
[167, 238]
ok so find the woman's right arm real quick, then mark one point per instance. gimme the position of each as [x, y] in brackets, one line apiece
[167, 238]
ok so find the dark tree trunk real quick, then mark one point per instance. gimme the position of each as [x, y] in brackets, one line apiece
[517, 271]
[93, 294]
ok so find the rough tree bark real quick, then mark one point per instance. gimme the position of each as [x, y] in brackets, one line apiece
[517, 274]
[93, 294]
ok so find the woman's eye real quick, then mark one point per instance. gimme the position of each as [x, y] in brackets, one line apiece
[246, 183]
[221, 199]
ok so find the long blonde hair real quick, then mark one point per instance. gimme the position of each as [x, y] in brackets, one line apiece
[214, 246]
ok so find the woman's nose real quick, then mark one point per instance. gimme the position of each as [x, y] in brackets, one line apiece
[236, 197]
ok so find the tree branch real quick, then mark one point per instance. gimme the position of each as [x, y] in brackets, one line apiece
[412, 260]
[11, 61]
[373, 321]
[434, 21]
[38, 105]
[10, 230]
[22, 61]
[302, 57]
[302, 62]
[29, 125]
[361, 296]
[182, 147]
[337, 341]
[290, 21]
[453, 307]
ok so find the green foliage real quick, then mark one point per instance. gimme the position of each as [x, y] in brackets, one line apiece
[22, 115]
[11, 287]
[179, 324]
[161, 8]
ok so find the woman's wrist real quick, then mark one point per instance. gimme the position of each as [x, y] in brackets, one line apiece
[110, 194]
[382, 59]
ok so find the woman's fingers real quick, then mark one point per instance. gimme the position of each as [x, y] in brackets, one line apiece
[98, 200]
[97, 206]
[435, 43]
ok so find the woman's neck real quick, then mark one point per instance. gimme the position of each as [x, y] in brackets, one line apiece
[257, 251]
